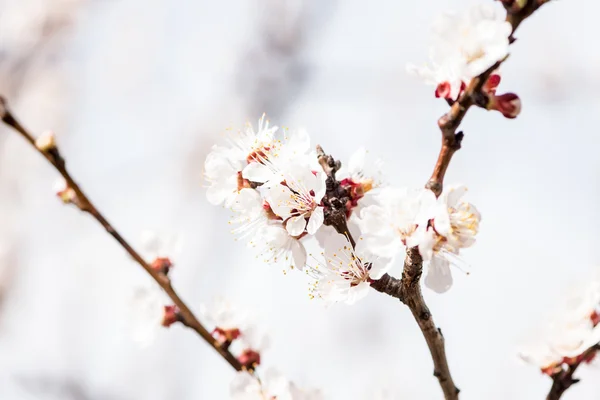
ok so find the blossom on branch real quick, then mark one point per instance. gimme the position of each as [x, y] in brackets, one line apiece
[252, 156]
[359, 178]
[397, 219]
[347, 272]
[150, 312]
[452, 227]
[297, 201]
[464, 46]
[234, 328]
[572, 336]
[272, 386]
[159, 249]
[228, 320]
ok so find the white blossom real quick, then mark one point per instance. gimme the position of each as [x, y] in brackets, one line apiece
[454, 226]
[573, 330]
[224, 315]
[147, 313]
[360, 176]
[224, 164]
[156, 245]
[272, 385]
[252, 213]
[346, 273]
[222, 170]
[464, 46]
[284, 157]
[361, 168]
[297, 201]
[397, 219]
[276, 245]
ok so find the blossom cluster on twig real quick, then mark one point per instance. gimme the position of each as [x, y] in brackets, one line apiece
[273, 183]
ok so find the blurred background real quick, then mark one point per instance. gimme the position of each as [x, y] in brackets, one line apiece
[138, 91]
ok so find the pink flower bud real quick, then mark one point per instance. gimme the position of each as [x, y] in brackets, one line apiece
[162, 265]
[509, 104]
[492, 84]
[226, 336]
[443, 90]
[171, 315]
[249, 358]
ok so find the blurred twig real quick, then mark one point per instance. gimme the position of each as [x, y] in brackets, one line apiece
[55, 158]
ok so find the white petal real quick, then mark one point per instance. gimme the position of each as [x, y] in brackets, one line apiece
[455, 194]
[257, 172]
[380, 266]
[357, 292]
[426, 244]
[315, 221]
[439, 277]
[298, 254]
[319, 186]
[299, 141]
[244, 386]
[295, 225]
[356, 163]
[278, 197]
[441, 221]
[218, 194]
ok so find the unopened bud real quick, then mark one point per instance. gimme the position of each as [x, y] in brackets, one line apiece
[443, 90]
[509, 104]
[162, 265]
[64, 192]
[492, 84]
[170, 316]
[46, 141]
[249, 358]
[225, 336]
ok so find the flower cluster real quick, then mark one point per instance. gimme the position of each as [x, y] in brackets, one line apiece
[440, 228]
[572, 336]
[465, 46]
[282, 198]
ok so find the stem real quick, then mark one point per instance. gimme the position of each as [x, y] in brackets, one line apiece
[85, 204]
[408, 289]
[564, 379]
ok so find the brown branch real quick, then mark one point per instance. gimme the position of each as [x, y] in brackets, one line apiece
[564, 379]
[85, 204]
[408, 289]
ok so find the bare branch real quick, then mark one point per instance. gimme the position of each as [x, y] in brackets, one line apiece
[55, 158]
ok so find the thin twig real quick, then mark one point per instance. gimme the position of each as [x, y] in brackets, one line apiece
[85, 204]
[564, 379]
